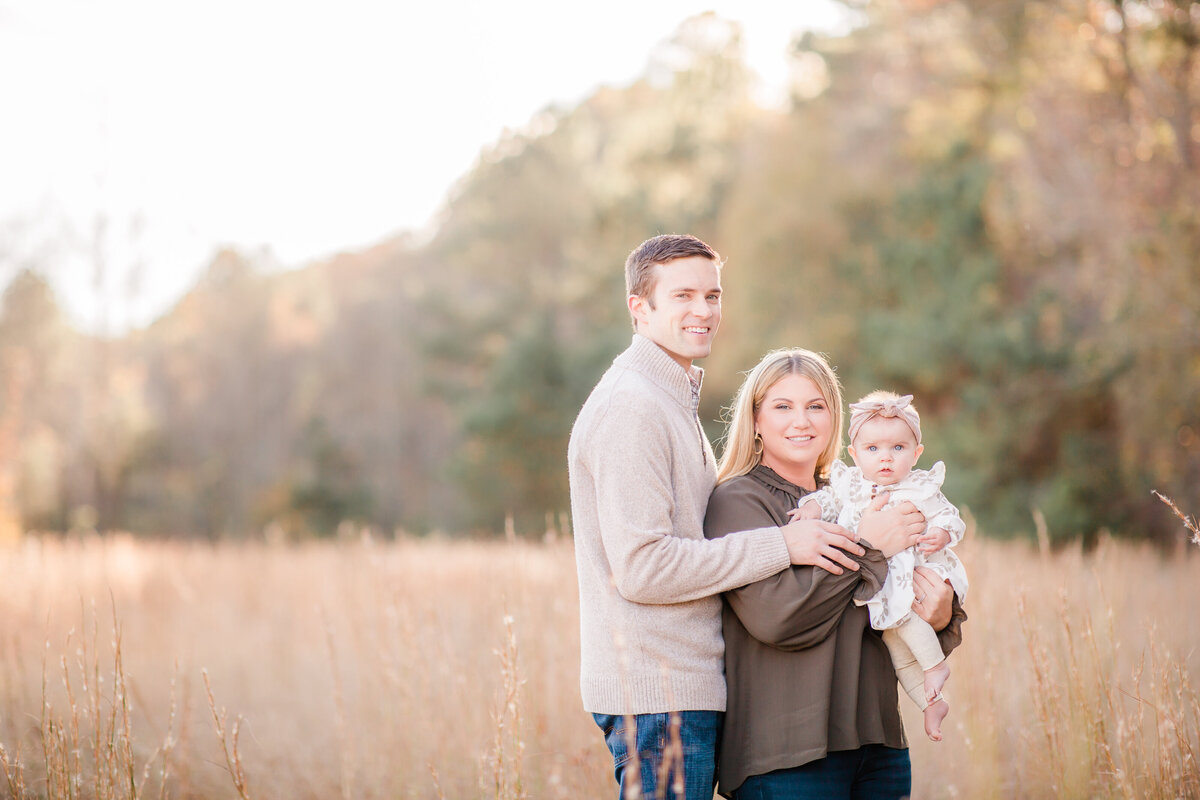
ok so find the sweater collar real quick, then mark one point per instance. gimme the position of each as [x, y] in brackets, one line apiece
[649, 359]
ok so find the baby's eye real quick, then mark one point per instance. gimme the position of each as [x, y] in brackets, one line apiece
[899, 447]
[871, 448]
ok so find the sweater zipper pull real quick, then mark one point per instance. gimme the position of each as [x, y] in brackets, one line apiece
[699, 427]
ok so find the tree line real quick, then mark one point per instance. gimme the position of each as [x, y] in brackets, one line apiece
[990, 205]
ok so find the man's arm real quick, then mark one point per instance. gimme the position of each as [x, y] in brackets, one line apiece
[630, 468]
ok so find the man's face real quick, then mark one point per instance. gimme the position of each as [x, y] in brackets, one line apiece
[682, 313]
[885, 449]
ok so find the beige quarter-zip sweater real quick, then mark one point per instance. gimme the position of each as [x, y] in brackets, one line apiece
[641, 470]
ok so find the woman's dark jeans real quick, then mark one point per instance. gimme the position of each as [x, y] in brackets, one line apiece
[872, 772]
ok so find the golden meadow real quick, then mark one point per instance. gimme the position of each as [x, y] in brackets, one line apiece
[426, 668]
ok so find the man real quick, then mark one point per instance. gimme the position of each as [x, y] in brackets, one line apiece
[641, 470]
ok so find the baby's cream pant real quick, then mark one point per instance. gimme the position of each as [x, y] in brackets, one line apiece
[914, 647]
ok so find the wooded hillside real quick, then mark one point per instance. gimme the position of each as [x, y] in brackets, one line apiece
[994, 206]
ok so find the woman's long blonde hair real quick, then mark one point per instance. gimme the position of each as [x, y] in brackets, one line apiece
[740, 454]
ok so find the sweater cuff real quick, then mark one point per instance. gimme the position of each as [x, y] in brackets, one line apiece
[768, 549]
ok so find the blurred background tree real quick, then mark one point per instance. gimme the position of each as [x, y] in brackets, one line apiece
[991, 205]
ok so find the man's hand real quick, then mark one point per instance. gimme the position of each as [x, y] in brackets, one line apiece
[933, 598]
[821, 544]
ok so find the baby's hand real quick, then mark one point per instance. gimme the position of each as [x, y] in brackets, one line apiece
[809, 510]
[933, 540]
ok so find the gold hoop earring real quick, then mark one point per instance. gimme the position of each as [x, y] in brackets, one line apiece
[758, 444]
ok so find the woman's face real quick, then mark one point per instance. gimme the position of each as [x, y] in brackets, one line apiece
[795, 423]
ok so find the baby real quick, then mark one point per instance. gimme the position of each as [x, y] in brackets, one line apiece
[885, 442]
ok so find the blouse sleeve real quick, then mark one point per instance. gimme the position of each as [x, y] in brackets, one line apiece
[950, 636]
[800, 606]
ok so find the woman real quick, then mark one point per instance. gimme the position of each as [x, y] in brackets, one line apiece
[812, 707]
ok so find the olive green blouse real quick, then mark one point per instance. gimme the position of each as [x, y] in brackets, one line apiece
[806, 674]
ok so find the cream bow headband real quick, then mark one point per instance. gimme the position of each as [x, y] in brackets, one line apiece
[899, 407]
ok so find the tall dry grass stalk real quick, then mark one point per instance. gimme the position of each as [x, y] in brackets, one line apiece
[1188, 522]
[228, 737]
[84, 731]
[503, 764]
[369, 670]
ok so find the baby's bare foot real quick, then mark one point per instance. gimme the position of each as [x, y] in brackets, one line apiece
[935, 712]
[935, 679]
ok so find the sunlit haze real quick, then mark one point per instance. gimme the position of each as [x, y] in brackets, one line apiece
[143, 136]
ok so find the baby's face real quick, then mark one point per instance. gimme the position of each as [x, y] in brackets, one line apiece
[885, 449]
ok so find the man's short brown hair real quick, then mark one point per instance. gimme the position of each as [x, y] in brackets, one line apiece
[640, 275]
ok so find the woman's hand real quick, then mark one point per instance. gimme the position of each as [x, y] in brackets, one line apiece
[933, 598]
[893, 529]
[821, 544]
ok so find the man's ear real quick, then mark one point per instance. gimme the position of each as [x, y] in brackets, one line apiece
[637, 307]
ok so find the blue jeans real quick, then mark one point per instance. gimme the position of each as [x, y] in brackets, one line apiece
[872, 772]
[665, 758]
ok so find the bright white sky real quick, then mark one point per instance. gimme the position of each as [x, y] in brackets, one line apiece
[298, 129]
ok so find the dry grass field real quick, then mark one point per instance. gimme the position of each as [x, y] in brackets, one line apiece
[428, 669]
